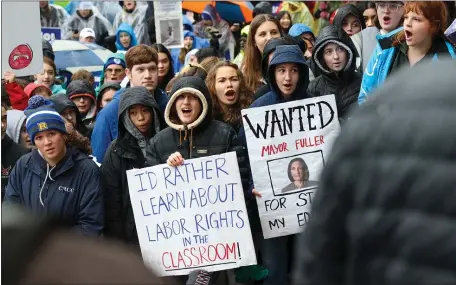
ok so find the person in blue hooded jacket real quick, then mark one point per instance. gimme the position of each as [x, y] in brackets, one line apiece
[142, 70]
[56, 178]
[179, 55]
[199, 42]
[420, 40]
[289, 78]
[125, 37]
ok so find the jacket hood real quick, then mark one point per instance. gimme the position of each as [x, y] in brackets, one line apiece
[118, 55]
[270, 47]
[334, 34]
[188, 25]
[210, 11]
[196, 86]
[104, 87]
[15, 120]
[124, 27]
[187, 56]
[263, 7]
[298, 29]
[190, 34]
[61, 102]
[132, 96]
[78, 88]
[346, 10]
[290, 54]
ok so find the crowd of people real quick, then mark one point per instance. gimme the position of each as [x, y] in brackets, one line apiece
[66, 147]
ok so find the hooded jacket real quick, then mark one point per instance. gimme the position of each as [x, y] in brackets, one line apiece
[124, 27]
[11, 152]
[61, 102]
[345, 85]
[137, 20]
[301, 14]
[385, 209]
[97, 22]
[15, 120]
[226, 40]
[78, 88]
[346, 10]
[56, 17]
[382, 60]
[70, 190]
[125, 153]
[204, 137]
[198, 42]
[285, 54]
[106, 128]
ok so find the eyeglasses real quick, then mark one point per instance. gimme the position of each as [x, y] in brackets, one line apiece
[116, 70]
[391, 6]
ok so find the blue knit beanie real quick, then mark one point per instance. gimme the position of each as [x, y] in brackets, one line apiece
[41, 116]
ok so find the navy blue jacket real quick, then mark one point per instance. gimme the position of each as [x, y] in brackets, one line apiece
[106, 128]
[72, 193]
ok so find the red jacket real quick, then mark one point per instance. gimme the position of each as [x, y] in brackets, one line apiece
[18, 98]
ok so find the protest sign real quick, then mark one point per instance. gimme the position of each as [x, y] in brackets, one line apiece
[288, 144]
[169, 29]
[21, 46]
[193, 216]
[51, 34]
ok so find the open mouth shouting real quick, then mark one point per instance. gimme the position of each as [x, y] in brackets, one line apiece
[386, 20]
[20, 57]
[408, 35]
[230, 95]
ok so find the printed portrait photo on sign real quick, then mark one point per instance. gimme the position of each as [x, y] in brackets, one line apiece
[170, 32]
[296, 173]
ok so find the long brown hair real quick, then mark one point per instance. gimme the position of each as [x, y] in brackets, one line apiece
[233, 115]
[434, 11]
[251, 65]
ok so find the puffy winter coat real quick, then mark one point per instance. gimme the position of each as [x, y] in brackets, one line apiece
[71, 190]
[386, 208]
[344, 85]
[204, 137]
[125, 153]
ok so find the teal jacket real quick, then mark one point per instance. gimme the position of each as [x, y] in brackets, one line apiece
[379, 65]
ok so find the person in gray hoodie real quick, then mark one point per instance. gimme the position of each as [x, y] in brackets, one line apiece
[139, 120]
[16, 128]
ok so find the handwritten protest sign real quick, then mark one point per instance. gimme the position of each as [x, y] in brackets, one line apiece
[21, 49]
[192, 217]
[51, 34]
[288, 144]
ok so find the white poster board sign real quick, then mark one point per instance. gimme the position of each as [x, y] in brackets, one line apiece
[22, 51]
[192, 217]
[288, 144]
[169, 29]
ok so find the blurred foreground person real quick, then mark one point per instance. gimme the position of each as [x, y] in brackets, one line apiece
[385, 211]
[38, 252]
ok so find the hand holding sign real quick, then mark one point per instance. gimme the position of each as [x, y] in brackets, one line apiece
[175, 159]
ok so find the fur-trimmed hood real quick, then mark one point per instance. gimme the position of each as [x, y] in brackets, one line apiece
[334, 34]
[196, 86]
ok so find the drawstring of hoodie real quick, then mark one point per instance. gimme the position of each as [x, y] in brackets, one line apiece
[185, 138]
[48, 174]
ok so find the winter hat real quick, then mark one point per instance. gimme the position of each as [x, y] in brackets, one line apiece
[41, 116]
[114, 60]
[31, 87]
[108, 85]
[47, 50]
[87, 32]
[79, 88]
[298, 29]
[85, 6]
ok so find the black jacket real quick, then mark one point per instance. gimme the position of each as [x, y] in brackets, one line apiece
[11, 152]
[345, 85]
[385, 211]
[204, 137]
[346, 10]
[124, 154]
[61, 102]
